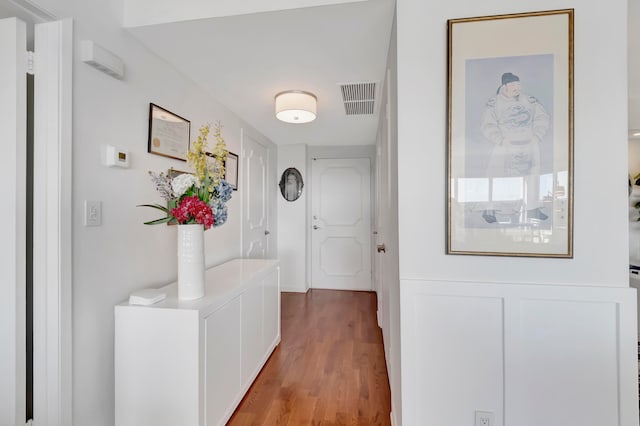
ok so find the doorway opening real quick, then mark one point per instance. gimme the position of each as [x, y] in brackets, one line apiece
[341, 224]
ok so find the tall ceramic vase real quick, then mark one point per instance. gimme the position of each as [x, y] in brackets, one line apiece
[190, 262]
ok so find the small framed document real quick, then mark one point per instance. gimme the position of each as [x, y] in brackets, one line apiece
[231, 170]
[168, 133]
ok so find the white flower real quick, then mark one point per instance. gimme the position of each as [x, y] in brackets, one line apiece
[181, 183]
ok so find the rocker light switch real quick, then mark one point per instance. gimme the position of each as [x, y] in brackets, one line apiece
[92, 213]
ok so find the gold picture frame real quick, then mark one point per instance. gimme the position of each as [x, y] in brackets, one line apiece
[510, 135]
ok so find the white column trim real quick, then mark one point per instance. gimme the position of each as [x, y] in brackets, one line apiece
[13, 137]
[52, 229]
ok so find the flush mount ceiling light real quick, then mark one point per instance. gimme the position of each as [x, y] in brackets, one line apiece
[296, 106]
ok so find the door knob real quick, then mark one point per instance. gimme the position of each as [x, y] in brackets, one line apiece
[381, 248]
[316, 227]
[267, 232]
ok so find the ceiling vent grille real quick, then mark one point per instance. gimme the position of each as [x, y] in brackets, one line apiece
[359, 98]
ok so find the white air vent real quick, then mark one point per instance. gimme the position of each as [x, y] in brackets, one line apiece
[359, 98]
[100, 58]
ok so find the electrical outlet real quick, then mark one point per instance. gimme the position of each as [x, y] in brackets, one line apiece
[484, 418]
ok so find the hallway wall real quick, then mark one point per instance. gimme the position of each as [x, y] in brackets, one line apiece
[600, 255]
[292, 222]
[124, 255]
[387, 219]
[503, 334]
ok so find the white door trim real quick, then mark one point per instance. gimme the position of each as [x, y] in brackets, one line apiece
[333, 231]
[247, 232]
[13, 136]
[52, 230]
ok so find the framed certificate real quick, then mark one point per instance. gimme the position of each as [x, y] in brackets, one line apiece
[168, 133]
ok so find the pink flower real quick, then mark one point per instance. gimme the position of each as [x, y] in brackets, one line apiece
[192, 208]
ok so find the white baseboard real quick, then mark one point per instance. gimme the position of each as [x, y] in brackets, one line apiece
[293, 290]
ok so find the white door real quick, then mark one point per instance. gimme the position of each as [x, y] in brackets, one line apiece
[255, 220]
[384, 238]
[341, 222]
[13, 127]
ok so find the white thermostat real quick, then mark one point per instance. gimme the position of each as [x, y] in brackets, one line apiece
[116, 157]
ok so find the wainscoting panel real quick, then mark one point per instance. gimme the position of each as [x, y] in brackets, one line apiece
[469, 346]
[532, 355]
[568, 355]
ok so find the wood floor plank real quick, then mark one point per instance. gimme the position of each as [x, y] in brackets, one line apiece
[329, 368]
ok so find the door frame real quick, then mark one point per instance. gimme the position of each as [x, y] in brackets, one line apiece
[270, 203]
[52, 216]
[13, 133]
[338, 152]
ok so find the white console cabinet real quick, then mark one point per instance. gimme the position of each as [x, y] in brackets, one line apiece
[189, 363]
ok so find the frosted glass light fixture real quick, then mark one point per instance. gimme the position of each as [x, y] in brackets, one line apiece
[296, 106]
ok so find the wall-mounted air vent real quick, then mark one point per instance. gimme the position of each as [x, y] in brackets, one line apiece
[359, 98]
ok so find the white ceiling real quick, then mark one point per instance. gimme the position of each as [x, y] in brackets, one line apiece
[244, 60]
[9, 10]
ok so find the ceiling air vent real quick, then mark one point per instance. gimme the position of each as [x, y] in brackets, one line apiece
[359, 98]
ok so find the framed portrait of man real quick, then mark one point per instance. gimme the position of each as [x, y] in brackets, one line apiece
[510, 135]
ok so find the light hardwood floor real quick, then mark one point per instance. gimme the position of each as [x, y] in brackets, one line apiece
[329, 368]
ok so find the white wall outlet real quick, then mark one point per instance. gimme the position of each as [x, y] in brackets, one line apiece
[484, 418]
[92, 213]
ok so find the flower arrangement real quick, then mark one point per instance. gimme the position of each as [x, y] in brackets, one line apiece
[200, 197]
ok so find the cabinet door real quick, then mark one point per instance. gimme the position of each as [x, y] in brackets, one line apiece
[252, 335]
[271, 310]
[222, 364]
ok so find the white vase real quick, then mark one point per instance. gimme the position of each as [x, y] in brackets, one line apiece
[190, 262]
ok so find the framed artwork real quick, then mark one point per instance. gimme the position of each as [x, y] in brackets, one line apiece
[231, 170]
[168, 133]
[510, 135]
[174, 173]
[212, 163]
[291, 184]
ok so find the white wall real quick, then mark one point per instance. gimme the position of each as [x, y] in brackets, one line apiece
[455, 359]
[147, 12]
[532, 355]
[634, 55]
[600, 255]
[123, 254]
[292, 222]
